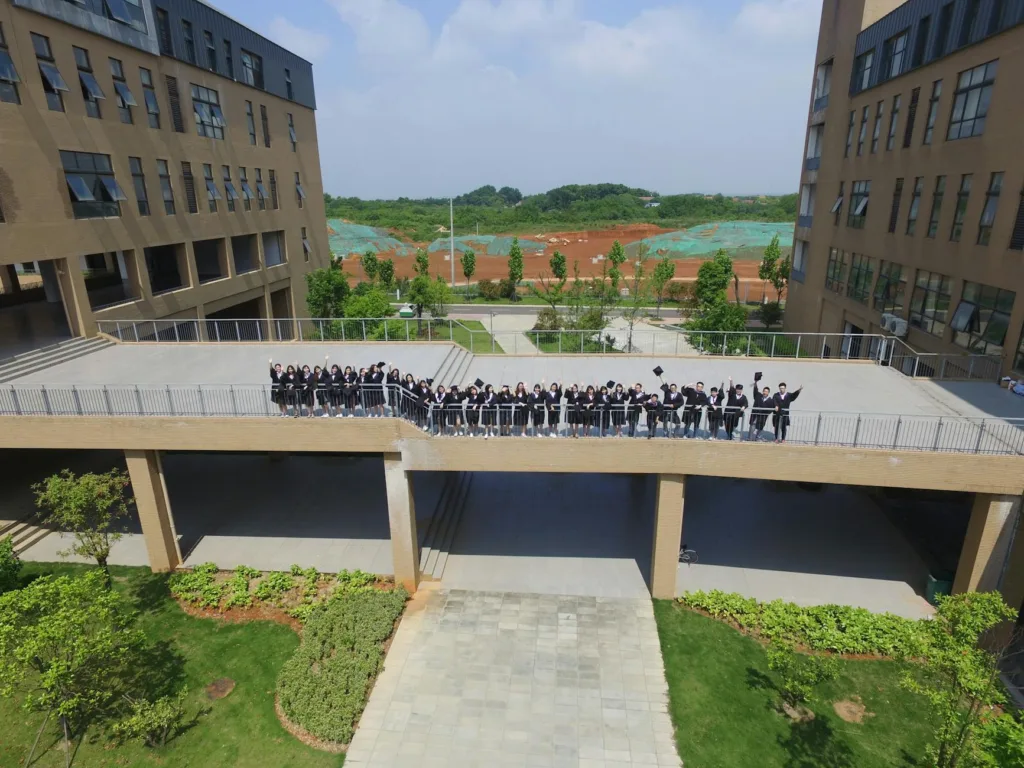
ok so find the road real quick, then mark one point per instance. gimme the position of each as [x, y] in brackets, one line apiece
[529, 309]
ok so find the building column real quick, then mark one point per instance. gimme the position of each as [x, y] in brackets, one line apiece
[990, 534]
[402, 516]
[668, 533]
[9, 279]
[74, 293]
[154, 507]
[51, 282]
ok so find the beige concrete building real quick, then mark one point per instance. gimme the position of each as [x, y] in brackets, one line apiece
[159, 160]
[912, 186]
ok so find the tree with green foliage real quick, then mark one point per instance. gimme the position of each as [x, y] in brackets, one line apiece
[92, 507]
[960, 678]
[515, 268]
[616, 258]
[422, 263]
[552, 292]
[558, 266]
[639, 292]
[663, 273]
[70, 645]
[714, 312]
[468, 261]
[770, 313]
[369, 263]
[326, 291]
[1000, 742]
[798, 674]
[774, 269]
[386, 272]
[10, 566]
[152, 722]
[374, 303]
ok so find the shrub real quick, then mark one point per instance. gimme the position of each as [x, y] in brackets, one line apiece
[10, 566]
[354, 581]
[507, 289]
[799, 673]
[273, 586]
[489, 290]
[198, 586]
[323, 686]
[837, 628]
[153, 722]
[238, 587]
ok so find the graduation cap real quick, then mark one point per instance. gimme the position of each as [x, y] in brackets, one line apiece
[478, 383]
[381, 364]
[610, 384]
[658, 371]
[757, 376]
[430, 382]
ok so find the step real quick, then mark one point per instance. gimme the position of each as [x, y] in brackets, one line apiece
[48, 349]
[7, 526]
[444, 363]
[48, 354]
[453, 529]
[461, 374]
[10, 373]
[450, 512]
[430, 534]
[448, 376]
[27, 543]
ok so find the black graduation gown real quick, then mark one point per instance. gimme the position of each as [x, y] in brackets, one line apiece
[439, 402]
[762, 407]
[292, 387]
[536, 405]
[376, 381]
[619, 402]
[553, 405]
[505, 401]
[489, 408]
[572, 415]
[276, 386]
[586, 406]
[604, 408]
[521, 403]
[323, 387]
[694, 402]
[734, 408]
[670, 404]
[394, 381]
[715, 403]
[309, 383]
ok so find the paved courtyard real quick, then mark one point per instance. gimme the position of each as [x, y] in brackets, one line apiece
[504, 679]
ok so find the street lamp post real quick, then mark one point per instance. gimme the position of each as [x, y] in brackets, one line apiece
[451, 236]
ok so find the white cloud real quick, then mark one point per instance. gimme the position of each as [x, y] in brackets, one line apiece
[534, 94]
[306, 43]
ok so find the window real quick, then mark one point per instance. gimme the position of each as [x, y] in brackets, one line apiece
[822, 85]
[294, 139]
[229, 62]
[970, 21]
[858, 211]
[206, 110]
[929, 304]
[962, 198]
[999, 17]
[800, 249]
[861, 273]
[289, 91]
[261, 191]
[125, 97]
[91, 91]
[942, 34]
[908, 134]
[894, 119]
[893, 52]
[876, 132]
[273, 189]
[837, 206]
[190, 187]
[265, 125]
[229, 189]
[190, 45]
[1018, 362]
[894, 214]
[982, 318]
[807, 196]
[835, 272]
[139, 182]
[177, 120]
[273, 249]
[92, 187]
[988, 213]
[250, 122]
[937, 195]
[300, 193]
[924, 26]
[862, 71]
[970, 101]
[211, 187]
[53, 83]
[163, 32]
[252, 69]
[863, 131]
[1017, 236]
[915, 205]
[307, 249]
[166, 191]
[890, 288]
[933, 111]
[247, 194]
[8, 75]
[211, 51]
[849, 133]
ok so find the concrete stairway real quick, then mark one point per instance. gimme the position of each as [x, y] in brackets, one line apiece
[460, 376]
[453, 362]
[24, 531]
[40, 359]
[443, 525]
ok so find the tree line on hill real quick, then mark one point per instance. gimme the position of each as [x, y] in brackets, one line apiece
[574, 206]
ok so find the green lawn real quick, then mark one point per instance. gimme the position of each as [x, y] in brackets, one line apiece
[721, 703]
[240, 731]
[472, 335]
[571, 344]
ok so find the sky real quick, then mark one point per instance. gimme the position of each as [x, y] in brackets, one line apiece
[419, 98]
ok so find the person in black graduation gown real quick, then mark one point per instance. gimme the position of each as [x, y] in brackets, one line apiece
[620, 401]
[350, 390]
[763, 405]
[553, 406]
[365, 398]
[696, 400]
[472, 396]
[423, 398]
[489, 404]
[376, 382]
[439, 403]
[654, 413]
[520, 409]
[572, 415]
[323, 389]
[637, 399]
[409, 397]
[734, 408]
[309, 382]
[780, 419]
[604, 409]
[672, 401]
[716, 400]
[393, 382]
[277, 387]
[586, 406]
[455, 400]
[505, 410]
[536, 405]
[335, 382]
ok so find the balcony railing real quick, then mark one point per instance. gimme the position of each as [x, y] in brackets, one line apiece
[900, 432]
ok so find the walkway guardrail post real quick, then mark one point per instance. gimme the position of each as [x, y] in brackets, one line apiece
[938, 431]
[363, 322]
[798, 346]
[773, 346]
[202, 400]
[981, 433]
[106, 400]
[14, 399]
[77, 399]
[299, 323]
[216, 329]
[234, 399]
[259, 330]
[817, 430]
[749, 339]
[238, 333]
[856, 431]
[46, 400]
[725, 340]
[970, 368]
[138, 399]
[896, 438]
[917, 361]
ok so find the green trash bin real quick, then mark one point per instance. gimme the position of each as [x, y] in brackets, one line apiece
[938, 584]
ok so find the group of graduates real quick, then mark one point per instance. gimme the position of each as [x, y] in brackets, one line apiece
[479, 409]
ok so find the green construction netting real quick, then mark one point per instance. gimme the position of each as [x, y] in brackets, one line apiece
[708, 238]
[486, 245]
[355, 239]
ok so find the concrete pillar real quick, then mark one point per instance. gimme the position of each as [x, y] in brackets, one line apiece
[990, 534]
[73, 292]
[668, 533]
[402, 516]
[150, 489]
[51, 284]
[9, 279]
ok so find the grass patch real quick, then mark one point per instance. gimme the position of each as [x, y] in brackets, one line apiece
[722, 703]
[571, 343]
[472, 335]
[239, 731]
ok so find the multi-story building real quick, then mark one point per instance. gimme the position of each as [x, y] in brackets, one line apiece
[157, 160]
[912, 185]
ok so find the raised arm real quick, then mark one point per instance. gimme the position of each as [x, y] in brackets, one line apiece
[797, 392]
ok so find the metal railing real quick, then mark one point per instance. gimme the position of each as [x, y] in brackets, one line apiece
[948, 434]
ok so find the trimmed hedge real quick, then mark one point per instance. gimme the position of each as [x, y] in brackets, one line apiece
[323, 687]
[836, 628]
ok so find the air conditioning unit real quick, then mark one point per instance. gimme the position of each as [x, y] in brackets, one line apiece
[900, 328]
[888, 319]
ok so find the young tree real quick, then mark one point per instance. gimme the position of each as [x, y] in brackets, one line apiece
[71, 645]
[713, 280]
[774, 269]
[386, 273]
[558, 266]
[10, 566]
[468, 261]
[370, 265]
[799, 674]
[552, 293]
[960, 676]
[770, 313]
[663, 273]
[92, 507]
[327, 289]
[638, 295]
[422, 265]
[515, 267]
[616, 257]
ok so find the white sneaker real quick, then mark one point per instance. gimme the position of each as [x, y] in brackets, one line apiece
[426, 429]
[351, 415]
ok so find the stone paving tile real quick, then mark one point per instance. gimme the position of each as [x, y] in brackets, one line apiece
[505, 679]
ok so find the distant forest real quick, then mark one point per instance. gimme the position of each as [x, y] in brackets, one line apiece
[572, 207]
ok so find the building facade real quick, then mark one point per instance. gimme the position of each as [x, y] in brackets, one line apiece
[911, 211]
[159, 160]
